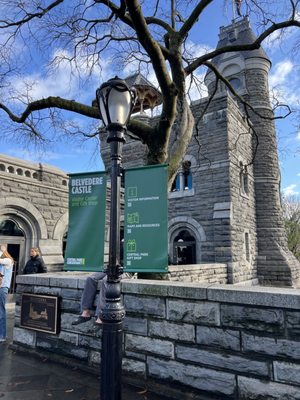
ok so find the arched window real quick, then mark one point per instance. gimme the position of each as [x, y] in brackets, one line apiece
[2, 167]
[11, 170]
[235, 83]
[183, 180]
[184, 248]
[19, 171]
[28, 174]
[10, 228]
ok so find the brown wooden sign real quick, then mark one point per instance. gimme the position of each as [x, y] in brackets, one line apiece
[39, 313]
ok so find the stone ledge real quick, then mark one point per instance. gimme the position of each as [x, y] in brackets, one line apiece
[254, 295]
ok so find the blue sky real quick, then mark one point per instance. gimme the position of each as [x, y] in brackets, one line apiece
[83, 155]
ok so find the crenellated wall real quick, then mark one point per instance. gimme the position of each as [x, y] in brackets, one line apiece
[185, 340]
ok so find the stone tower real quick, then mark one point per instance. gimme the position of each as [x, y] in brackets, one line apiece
[224, 206]
[248, 73]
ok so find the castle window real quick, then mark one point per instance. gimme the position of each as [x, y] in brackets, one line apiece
[176, 184]
[19, 171]
[187, 175]
[11, 170]
[184, 248]
[247, 246]
[10, 228]
[235, 83]
[35, 175]
[2, 167]
[64, 182]
[28, 174]
[183, 180]
[244, 179]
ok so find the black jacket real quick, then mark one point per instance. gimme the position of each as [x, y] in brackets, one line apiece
[35, 266]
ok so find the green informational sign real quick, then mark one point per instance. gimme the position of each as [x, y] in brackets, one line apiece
[146, 219]
[85, 244]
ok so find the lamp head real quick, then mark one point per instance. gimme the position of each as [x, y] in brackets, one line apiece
[115, 102]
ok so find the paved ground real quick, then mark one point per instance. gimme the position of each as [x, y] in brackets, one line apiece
[23, 377]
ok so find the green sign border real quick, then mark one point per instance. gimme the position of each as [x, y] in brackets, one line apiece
[85, 243]
[152, 240]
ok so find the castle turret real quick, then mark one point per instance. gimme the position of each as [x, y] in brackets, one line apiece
[248, 73]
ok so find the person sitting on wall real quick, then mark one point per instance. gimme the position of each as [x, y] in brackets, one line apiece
[89, 295]
[36, 264]
[88, 299]
[6, 268]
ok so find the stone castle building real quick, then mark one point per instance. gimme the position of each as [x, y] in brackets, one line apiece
[224, 207]
[33, 211]
[225, 203]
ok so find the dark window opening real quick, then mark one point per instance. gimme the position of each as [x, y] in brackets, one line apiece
[184, 248]
[244, 179]
[64, 243]
[247, 246]
[10, 228]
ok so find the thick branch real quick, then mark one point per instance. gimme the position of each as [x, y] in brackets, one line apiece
[190, 22]
[52, 102]
[240, 47]
[151, 46]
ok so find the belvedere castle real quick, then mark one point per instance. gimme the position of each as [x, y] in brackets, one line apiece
[225, 203]
[224, 207]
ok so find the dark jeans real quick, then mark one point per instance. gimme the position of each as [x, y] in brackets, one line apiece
[90, 291]
[3, 295]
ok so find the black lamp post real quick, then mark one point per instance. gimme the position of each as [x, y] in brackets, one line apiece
[115, 101]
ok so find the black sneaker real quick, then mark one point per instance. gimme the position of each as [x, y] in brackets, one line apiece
[81, 320]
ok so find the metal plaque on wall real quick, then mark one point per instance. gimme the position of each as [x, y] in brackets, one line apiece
[40, 313]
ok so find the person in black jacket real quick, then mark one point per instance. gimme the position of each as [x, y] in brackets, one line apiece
[35, 265]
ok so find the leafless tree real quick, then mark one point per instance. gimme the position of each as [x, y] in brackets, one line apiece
[149, 32]
[291, 208]
[291, 213]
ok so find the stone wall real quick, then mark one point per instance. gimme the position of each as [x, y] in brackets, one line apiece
[186, 340]
[35, 197]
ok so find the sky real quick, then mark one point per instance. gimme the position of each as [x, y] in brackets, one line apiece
[80, 156]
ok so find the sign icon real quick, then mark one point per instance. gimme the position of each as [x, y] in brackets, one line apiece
[131, 245]
[132, 191]
[133, 218]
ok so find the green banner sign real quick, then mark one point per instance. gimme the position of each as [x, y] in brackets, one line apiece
[85, 244]
[146, 219]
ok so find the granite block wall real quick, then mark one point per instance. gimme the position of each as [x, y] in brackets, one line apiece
[185, 340]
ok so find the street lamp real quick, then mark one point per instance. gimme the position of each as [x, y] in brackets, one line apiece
[115, 101]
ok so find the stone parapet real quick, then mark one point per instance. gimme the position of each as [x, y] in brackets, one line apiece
[187, 340]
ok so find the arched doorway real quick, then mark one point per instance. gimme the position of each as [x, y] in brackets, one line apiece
[184, 231]
[184, 248]
[13, 237]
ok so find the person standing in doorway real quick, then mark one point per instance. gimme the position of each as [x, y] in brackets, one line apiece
[6, 268]
[36, 264]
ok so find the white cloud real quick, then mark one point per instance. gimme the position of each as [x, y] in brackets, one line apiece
[280, 72]
[289, 190]
[285, 88]
[298, 136]
[65, 78]
[277, 39]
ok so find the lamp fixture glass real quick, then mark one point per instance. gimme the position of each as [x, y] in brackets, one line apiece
[115, 101]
